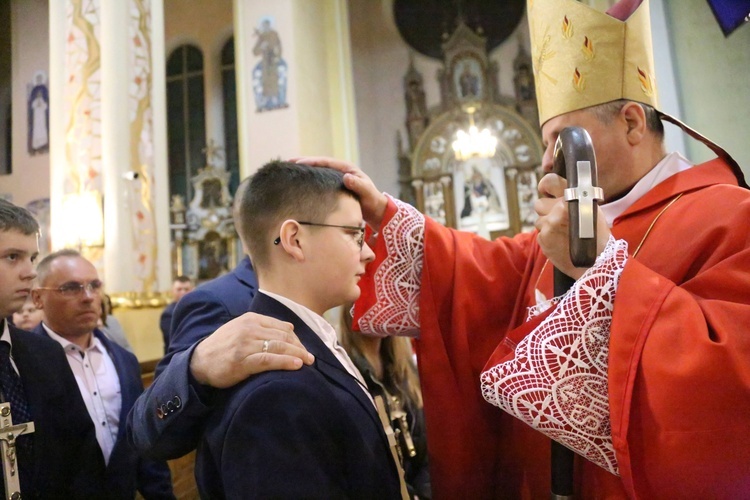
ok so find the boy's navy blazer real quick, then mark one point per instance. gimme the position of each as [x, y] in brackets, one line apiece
[67, 460]
[126, 471]
[310, 433]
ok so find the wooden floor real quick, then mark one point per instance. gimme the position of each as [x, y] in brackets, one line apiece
[183, 479]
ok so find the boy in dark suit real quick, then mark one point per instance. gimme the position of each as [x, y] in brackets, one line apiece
[61, 458]
[315, 432]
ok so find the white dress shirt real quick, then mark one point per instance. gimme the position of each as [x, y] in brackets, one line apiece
[669, 165]
[99, 384]
[5, 337]
[327, 334]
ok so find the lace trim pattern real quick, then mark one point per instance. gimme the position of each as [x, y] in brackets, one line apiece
[399, 277]
[556, 381]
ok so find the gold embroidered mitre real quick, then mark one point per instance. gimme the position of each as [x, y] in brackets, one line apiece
[583, 57]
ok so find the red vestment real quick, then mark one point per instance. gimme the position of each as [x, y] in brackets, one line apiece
[679, 353]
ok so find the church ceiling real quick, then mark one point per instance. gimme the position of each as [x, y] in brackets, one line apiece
[425, 24]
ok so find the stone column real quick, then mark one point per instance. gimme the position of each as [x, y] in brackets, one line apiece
[108, 152]
[108, 138]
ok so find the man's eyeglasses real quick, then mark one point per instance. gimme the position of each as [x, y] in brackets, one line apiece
[360, 238]
[73, 288]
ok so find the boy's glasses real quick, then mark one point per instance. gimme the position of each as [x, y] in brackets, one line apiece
[360, 239]
[74, 288]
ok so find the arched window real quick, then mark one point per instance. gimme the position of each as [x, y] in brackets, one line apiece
[230, 114]
[186, 118]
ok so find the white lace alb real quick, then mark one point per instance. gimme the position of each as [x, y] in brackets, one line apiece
[556, 381]
[399, 277]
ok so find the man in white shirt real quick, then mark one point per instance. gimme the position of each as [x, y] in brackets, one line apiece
[69, 294]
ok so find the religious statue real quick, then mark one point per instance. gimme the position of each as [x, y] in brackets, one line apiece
[269, 75]
[416, 109]
[469, 83]
[38, 115]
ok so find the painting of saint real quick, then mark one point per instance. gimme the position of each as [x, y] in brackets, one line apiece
[481, 201]
[468, 80]
[38, 115]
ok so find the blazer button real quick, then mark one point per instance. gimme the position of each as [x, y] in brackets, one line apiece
[159, 412]
[177, 402]
[164, 410]
[170, 407]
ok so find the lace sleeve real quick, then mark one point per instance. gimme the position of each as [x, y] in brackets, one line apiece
[556, 379]
[398, 278]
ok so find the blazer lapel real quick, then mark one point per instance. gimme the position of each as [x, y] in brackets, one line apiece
[245, 273]
[325, 362]
[38, 388]
[127, 398]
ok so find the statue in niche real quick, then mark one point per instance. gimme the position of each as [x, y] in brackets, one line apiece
[203, 233]
[468, 79]
[214, 256]
[38, 115]
[212, 194]
[416, 104]
[269, 75]
[524, 83]
[469, 83]
[416, 107]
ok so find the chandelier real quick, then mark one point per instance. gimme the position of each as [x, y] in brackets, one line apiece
[474, 143]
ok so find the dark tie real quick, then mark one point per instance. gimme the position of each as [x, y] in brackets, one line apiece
[13, 393]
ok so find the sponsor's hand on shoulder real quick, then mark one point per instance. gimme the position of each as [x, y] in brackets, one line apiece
[236, 351]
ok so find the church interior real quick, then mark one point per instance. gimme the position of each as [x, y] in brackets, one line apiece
[126, 126]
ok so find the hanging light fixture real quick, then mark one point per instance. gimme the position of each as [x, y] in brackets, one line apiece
[474, 143]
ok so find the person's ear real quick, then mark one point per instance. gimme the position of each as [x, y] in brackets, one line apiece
[635, 119]
[36, 297]
[289, 239]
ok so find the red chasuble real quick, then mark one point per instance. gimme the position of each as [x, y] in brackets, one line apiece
[679, 347]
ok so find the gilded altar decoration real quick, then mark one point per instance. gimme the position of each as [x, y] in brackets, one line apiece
[204, 240]
[472, 160]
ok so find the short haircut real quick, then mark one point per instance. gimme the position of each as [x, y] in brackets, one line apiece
[239, 194]
[183, 279]
[15, 218]
[283, 190]
[607, 111]
[42, 269]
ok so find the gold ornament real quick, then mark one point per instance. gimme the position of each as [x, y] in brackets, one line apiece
[583, 57]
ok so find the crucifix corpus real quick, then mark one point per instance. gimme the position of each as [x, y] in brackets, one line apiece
[8, 435]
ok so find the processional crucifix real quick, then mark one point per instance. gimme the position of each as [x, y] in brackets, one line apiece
[8, 435]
